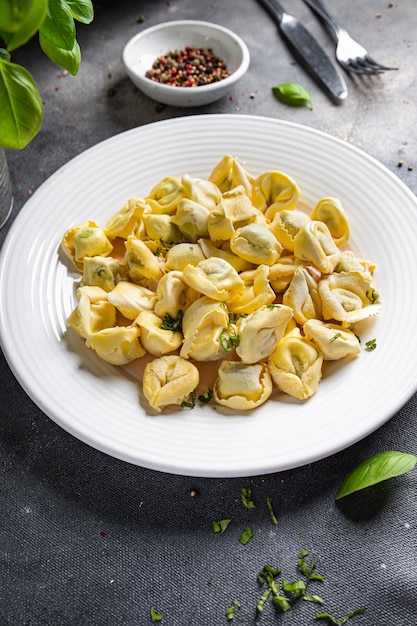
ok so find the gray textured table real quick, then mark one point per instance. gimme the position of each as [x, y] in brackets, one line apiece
[87, 539]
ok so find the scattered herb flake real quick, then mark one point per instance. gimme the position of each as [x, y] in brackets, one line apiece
[191, 404]
[205, 397]
[221, 525]
[370, 345]
[332, 620]
[246, 496]
[155, 616]
[313, 598]
[173, 323]
[246, 535]
[336, 336]
[271, 511]
[260, 605]
[293, 94]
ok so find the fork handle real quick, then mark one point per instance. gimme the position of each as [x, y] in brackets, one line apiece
[323, 12]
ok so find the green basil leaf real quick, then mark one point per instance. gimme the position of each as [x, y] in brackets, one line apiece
[81, 10]
[13, 12]
[293, 94]
[376, 469]
[29, 23]
[59, 25]
[22, 110]
[4, 54]
[67, 59]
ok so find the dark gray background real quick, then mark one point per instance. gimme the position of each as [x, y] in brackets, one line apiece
[87, 539]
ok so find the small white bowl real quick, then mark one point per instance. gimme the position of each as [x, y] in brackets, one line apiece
[145, 47]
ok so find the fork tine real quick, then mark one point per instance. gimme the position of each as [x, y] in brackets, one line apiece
[378, 66]
[365, 66]
[356, 66]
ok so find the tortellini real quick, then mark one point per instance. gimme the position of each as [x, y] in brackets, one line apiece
[231, 274]
[296, 365]
[206, 331]
[274, 191]
[100, 271]
[85, 240]
[165, 196]
[303, 297]
[314, 243]
[93, 313]
[255, 243]
[130, 299]
[260, 332]
[331, 212]
[348, 298]
[126, 221]
[333, 341]
[169, 380]
[229, 173]
[155, 339]
[242, 387]
[215, 278]
[191, 219]
[118, 345]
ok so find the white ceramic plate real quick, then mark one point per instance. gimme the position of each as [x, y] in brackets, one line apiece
[100, 404]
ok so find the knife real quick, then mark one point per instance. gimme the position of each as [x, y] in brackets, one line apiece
[308, 50]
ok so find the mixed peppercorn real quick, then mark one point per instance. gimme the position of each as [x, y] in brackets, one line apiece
[188, 67]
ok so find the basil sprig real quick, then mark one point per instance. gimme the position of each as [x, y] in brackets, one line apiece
[55, 23]
[376, 469]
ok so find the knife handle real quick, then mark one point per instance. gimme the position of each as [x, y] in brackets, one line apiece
[275, 9]
[323, 12]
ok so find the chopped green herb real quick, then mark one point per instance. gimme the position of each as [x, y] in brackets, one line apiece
[376, 469]
[313, 598]
[155, 616]
[221, 526]
[262, 600]
[293, 94]
[308, 570]
[332, 620]
[233, 317]
[246, 535]
[271, 511]
[272, 306]
[229, 341]
[191, 404]
[282, 602]
[370, 345]
[230, 613]
[246, 495]
[172, 323]
[336, 336]
[205, 397]
[297, 588]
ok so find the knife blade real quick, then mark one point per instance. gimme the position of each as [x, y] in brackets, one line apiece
[306, 48]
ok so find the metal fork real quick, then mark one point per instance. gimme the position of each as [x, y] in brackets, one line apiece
[349, 53]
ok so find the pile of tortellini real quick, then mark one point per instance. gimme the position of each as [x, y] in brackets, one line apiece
[226, 270]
